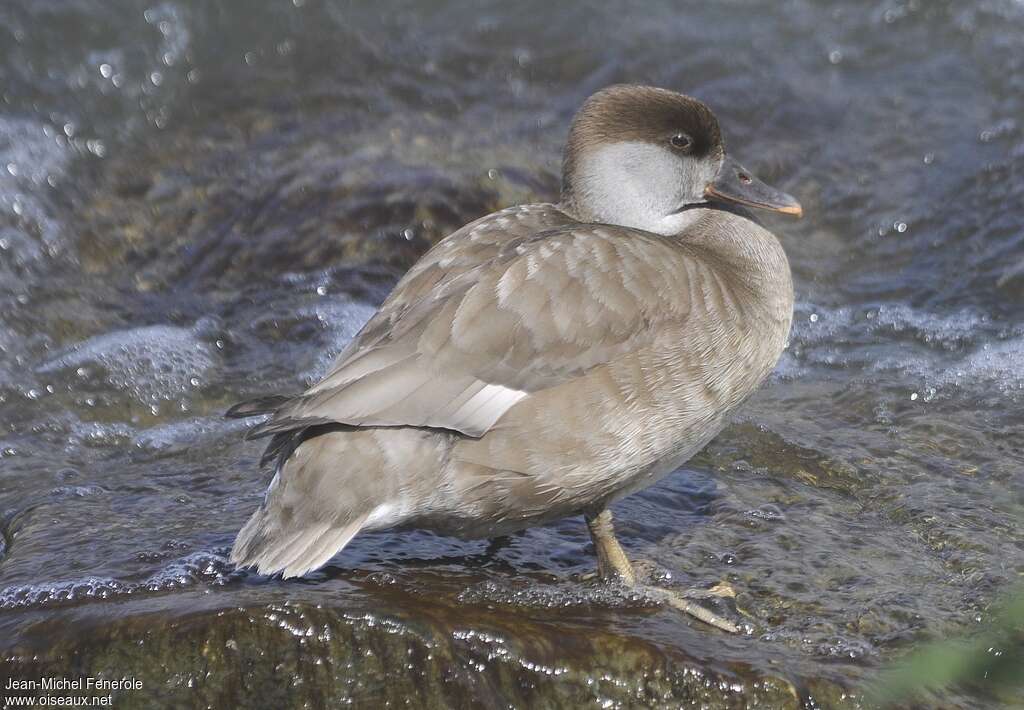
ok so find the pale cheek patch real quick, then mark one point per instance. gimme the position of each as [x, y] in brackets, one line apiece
[635, 184]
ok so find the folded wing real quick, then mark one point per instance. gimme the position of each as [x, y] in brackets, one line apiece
[484, 320]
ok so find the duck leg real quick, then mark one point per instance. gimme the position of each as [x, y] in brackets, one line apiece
[612, 564]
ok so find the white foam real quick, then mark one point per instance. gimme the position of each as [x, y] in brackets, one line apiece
[813, 324]
[940, 350]
[342, 319]
[28, 159]
[27, 154]
[193, 569]
[999, 363]
[153, 363]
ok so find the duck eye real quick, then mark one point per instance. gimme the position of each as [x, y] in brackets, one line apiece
[681, 141]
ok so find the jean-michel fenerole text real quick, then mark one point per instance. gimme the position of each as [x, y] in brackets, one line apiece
[60, 683]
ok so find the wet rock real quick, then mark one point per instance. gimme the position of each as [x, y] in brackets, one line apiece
[293, 655]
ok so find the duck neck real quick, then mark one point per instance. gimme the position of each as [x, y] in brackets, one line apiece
[749, 255]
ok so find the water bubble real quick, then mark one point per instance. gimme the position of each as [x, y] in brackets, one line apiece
[193, 76]
[835, 56]
[250, 58]
[492, 174]
[1001, 129]
[156, 78]
[153, 363]
[106, 71]
[913, 396]
[408, 234]
[929, 158]
[321, 290]
[813, 318]
[12, 169]
[900, 227]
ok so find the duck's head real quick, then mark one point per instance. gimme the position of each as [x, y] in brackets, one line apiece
[643, 157]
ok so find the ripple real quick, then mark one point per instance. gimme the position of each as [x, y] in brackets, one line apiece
[183, 435]
[815, 325]
[197, 568]
[963, 349]
[1001, 364]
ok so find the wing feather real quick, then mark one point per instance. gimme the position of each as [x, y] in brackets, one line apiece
[490, 316]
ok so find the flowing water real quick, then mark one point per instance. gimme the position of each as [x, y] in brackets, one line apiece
[202, 202]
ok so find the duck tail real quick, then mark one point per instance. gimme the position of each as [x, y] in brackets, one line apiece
[301, 524]
[263, 544]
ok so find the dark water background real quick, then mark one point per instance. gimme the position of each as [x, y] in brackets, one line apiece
[202, 202]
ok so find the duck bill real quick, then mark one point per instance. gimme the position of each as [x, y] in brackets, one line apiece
[738, 185]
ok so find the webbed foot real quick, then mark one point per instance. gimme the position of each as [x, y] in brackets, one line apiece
[614, 565]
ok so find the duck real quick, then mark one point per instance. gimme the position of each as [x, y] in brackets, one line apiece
[545, 360]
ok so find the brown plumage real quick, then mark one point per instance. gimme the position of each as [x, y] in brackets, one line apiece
[546, 359]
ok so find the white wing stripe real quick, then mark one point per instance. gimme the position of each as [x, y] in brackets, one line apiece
[487, 406]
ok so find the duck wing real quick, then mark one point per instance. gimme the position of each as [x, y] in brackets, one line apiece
[501, 309]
